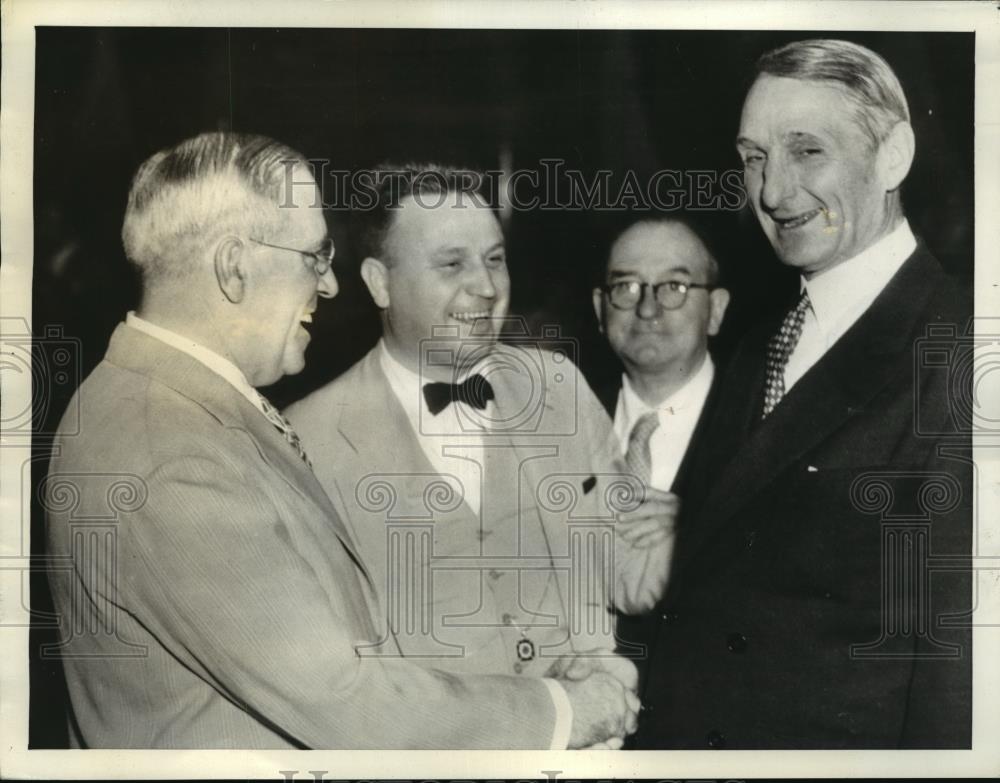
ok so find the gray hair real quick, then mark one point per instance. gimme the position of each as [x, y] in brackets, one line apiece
[867, 80]
[185, 197]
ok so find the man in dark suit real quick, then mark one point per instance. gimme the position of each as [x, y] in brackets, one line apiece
[660, 302]
[658, 305]
[212, 596]
[802, 611]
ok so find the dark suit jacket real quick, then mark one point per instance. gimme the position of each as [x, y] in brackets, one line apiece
[638, 631]
[213, 598]
[803, 611]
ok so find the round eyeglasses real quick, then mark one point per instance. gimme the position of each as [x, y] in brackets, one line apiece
[322, 257]
[670, 295]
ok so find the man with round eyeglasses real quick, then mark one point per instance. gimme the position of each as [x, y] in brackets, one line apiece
[658, 306]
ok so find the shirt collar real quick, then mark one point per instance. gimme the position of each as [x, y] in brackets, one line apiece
[402, 380]
[694, 390]
[407, 385]
[846, 289]
[213, 361]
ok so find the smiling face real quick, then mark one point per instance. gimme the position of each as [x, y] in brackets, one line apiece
[818, 189]
[283, 292]
[650, 340]
[444, 265]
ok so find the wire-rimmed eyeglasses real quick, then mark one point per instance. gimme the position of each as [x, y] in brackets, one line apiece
[670, 295]
[322, 257]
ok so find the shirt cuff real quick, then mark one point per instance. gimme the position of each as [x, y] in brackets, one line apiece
[564, 715]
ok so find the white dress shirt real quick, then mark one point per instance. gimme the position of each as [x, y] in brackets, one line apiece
[678, 415]
[841, 294]
[452, 440]
[217, 364]
[453, 443]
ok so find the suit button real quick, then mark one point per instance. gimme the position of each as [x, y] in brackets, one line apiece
[736, 643]
[716, 739]
[669, 617]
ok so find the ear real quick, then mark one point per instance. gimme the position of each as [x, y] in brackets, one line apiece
[599, 308]
[718, 299]
[895, 156]
[230, 268]
[376, 277]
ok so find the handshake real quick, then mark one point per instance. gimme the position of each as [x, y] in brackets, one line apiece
[601, 687]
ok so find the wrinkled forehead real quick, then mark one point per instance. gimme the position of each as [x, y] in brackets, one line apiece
[777, 105]
[655, 250]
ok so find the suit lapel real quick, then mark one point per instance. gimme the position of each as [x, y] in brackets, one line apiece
[390, 447]
[190, 378]
[538, 534]
[391, 444]
[874, 350]
[680, 482]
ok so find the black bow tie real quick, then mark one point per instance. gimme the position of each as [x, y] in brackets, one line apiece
[474, 390]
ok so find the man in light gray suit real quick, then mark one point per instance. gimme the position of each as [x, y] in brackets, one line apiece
[212, 596]
[478, 476]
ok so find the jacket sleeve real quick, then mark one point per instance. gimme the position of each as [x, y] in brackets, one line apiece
[212, 571]
[640, 573]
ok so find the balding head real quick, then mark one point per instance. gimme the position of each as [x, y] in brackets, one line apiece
[661, 337]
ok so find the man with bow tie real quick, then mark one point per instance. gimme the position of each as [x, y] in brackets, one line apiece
[212, 596]
[479, 477]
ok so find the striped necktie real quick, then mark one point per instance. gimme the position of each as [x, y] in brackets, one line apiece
[638, 457]
[284, 427]
[779, 349]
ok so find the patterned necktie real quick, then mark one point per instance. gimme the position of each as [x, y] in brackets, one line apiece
[638, 457]
[284, 427]
[779, 349]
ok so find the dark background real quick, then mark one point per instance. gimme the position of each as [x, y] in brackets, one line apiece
[641, 101]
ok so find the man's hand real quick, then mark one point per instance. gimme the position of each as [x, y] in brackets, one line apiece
[653, 522]
[575, 671]
[644, 549]
[580, 666]
[604, 711]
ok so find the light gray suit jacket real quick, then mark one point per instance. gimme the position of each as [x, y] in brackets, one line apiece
[212, 597]
[537, 563]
